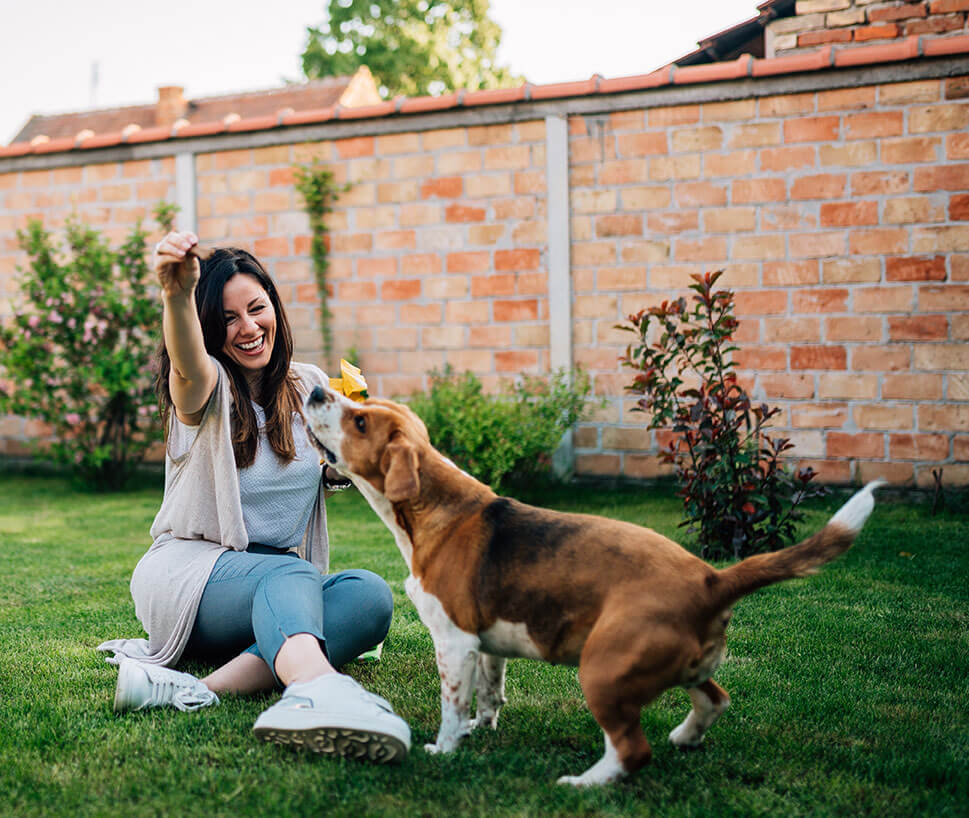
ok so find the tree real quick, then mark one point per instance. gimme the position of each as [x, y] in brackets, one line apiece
[412, 47]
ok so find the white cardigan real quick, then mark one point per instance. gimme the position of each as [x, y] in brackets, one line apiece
[200, 517]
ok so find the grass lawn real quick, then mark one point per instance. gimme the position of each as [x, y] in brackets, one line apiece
[849, 688]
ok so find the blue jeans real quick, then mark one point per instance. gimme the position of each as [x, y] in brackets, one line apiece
[257, 598]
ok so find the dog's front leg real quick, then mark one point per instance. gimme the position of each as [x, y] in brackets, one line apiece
[456, 652]
[457, 656]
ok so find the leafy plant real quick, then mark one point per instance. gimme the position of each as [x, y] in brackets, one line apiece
[316, 184]
[413, 47]
[78, 353]
[739, 496]
[505, 439]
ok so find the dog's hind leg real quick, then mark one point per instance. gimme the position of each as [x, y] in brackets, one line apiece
[709, 701]
[490, 678]
[620, 673]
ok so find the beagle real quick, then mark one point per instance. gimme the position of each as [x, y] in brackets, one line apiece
[493, 578]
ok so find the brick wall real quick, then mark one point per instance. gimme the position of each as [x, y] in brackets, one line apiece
[841, 217]
[819, 23]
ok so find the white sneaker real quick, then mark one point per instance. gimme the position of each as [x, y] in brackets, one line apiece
[333, 714]
[141, 685]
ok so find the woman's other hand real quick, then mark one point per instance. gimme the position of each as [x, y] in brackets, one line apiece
[177, 269]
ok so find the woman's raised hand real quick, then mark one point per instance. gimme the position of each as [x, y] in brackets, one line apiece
[177, 269]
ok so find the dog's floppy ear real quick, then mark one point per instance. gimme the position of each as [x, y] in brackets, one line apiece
[399, 466]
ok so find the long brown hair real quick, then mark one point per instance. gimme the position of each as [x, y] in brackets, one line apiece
[278, 387]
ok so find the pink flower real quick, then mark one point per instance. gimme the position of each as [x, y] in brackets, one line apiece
[55, 317]
[143, 411]
[71, 323]
[33, 321]
[73, 418]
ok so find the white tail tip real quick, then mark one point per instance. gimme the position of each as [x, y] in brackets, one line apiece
[852, 515]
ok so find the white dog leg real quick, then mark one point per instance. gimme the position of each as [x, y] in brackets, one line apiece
[491, 690]
[606, 769]
[709, 701]
[456, 652]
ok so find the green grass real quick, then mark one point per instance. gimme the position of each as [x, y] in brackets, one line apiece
[849, 688]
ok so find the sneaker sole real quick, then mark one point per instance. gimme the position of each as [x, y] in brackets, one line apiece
[379, 748]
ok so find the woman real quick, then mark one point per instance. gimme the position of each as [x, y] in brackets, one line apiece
[243, 488]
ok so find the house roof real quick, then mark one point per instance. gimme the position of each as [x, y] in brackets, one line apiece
[172, 107]
[829, 57]
[744, 38]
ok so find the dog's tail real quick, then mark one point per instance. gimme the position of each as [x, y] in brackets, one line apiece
[798, 560]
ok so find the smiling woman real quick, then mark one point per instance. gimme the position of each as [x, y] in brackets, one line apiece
[238, 566]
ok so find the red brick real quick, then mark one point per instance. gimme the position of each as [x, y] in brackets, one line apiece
[755, 135]
[421, 313]
[847, 386]
[623, 172]
[812, 129]
[864, 34]
[944, 299]
[358, 146]
[821, 186]
[516, 360]
[396, 240]
[526, 310]
[792, 330]
[912, 387]
[959, 207]
[491, 337]
[787, 273]
[485, 286]
[421, 264]
[356, 291]
[601, 464]
[758, 358]
[960, 447]
[940, 356]
[468, 262]
[868, 444]
[943, 177]
[758, 247]
[788, 386]
[947, 118]
[819, 357]
[641, 144]
[879, 416]
[949, 418]
[911, 149]
[527, 259]
[819, 300]
[445, 187]
[883, 299]
[812, 38]
[816, 245]
[675, 222]
[845, 271]
[747, 191]
[915, 268]
[400, 289]
[699, 194]
[878, 242]
[844, 214]
[918, 447]
[879, 183]
[922, 328]
[875, 358]
[735, 163]
[853, 328]
[781, 159]
[619, 224]
[948, 6]
[827, 415]
[463, 213]
[874, 125]
[711, 249]
[272, 247]
[380, 266]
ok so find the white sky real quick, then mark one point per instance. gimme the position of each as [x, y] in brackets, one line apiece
[47, 47]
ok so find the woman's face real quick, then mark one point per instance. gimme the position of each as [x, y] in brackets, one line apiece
[250, 322]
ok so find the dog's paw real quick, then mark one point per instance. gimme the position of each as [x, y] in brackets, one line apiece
[437, 749]
[486, 720]
[685, 737]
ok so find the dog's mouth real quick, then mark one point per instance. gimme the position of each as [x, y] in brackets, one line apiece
[328, 453]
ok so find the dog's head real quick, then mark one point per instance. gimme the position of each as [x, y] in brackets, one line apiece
[377, 441]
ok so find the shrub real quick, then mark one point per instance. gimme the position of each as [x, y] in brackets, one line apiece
[505, 439]
[78, 353]
[738, 495]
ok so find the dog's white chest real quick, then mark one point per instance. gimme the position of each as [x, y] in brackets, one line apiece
[509, 639]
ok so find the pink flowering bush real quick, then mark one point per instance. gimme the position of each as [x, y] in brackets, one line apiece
[78, 353]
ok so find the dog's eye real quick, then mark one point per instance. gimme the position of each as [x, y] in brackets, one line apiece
[361, 423]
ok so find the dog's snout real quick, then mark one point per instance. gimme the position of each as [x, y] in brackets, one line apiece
[318, 395]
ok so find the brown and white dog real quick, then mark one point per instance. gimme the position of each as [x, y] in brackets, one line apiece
[493, 578]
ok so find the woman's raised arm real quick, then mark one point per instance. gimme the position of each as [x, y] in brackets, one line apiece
[193, 375]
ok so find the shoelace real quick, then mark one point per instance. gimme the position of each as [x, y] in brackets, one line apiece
[181, 695]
